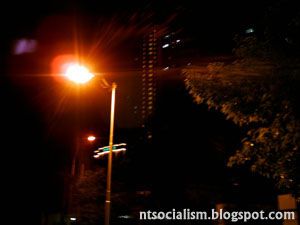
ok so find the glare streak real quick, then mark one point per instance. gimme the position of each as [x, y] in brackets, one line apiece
[106, 152]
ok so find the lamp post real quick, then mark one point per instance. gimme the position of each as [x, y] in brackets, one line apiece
[109, 167]
[77, 169]
[79, 74]
[90, 139]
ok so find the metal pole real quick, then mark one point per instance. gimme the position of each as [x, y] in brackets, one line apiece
[109, 166]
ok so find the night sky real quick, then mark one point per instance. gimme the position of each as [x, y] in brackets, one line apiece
[38, 125]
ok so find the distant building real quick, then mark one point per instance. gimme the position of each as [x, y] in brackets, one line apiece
[149, 63]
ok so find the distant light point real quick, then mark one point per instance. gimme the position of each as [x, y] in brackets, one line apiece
[91, 138]
[249, 31]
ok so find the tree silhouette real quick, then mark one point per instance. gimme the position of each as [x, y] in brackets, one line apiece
[258, 92]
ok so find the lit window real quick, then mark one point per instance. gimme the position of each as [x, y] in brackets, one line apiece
[249, 31]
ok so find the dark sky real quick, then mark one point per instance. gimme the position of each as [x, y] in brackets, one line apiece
[213, 20]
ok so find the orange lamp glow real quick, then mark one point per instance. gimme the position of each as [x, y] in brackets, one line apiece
[78, 73]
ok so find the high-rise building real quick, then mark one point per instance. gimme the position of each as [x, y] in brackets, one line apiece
[149, 63]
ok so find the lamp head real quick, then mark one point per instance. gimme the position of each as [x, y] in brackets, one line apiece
[78, 73]
[91, 138]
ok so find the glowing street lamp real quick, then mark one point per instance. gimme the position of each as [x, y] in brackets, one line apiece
[80, 75]
[91, 138]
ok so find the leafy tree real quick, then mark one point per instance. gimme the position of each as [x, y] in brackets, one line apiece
[258, 92]
[89, 197]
